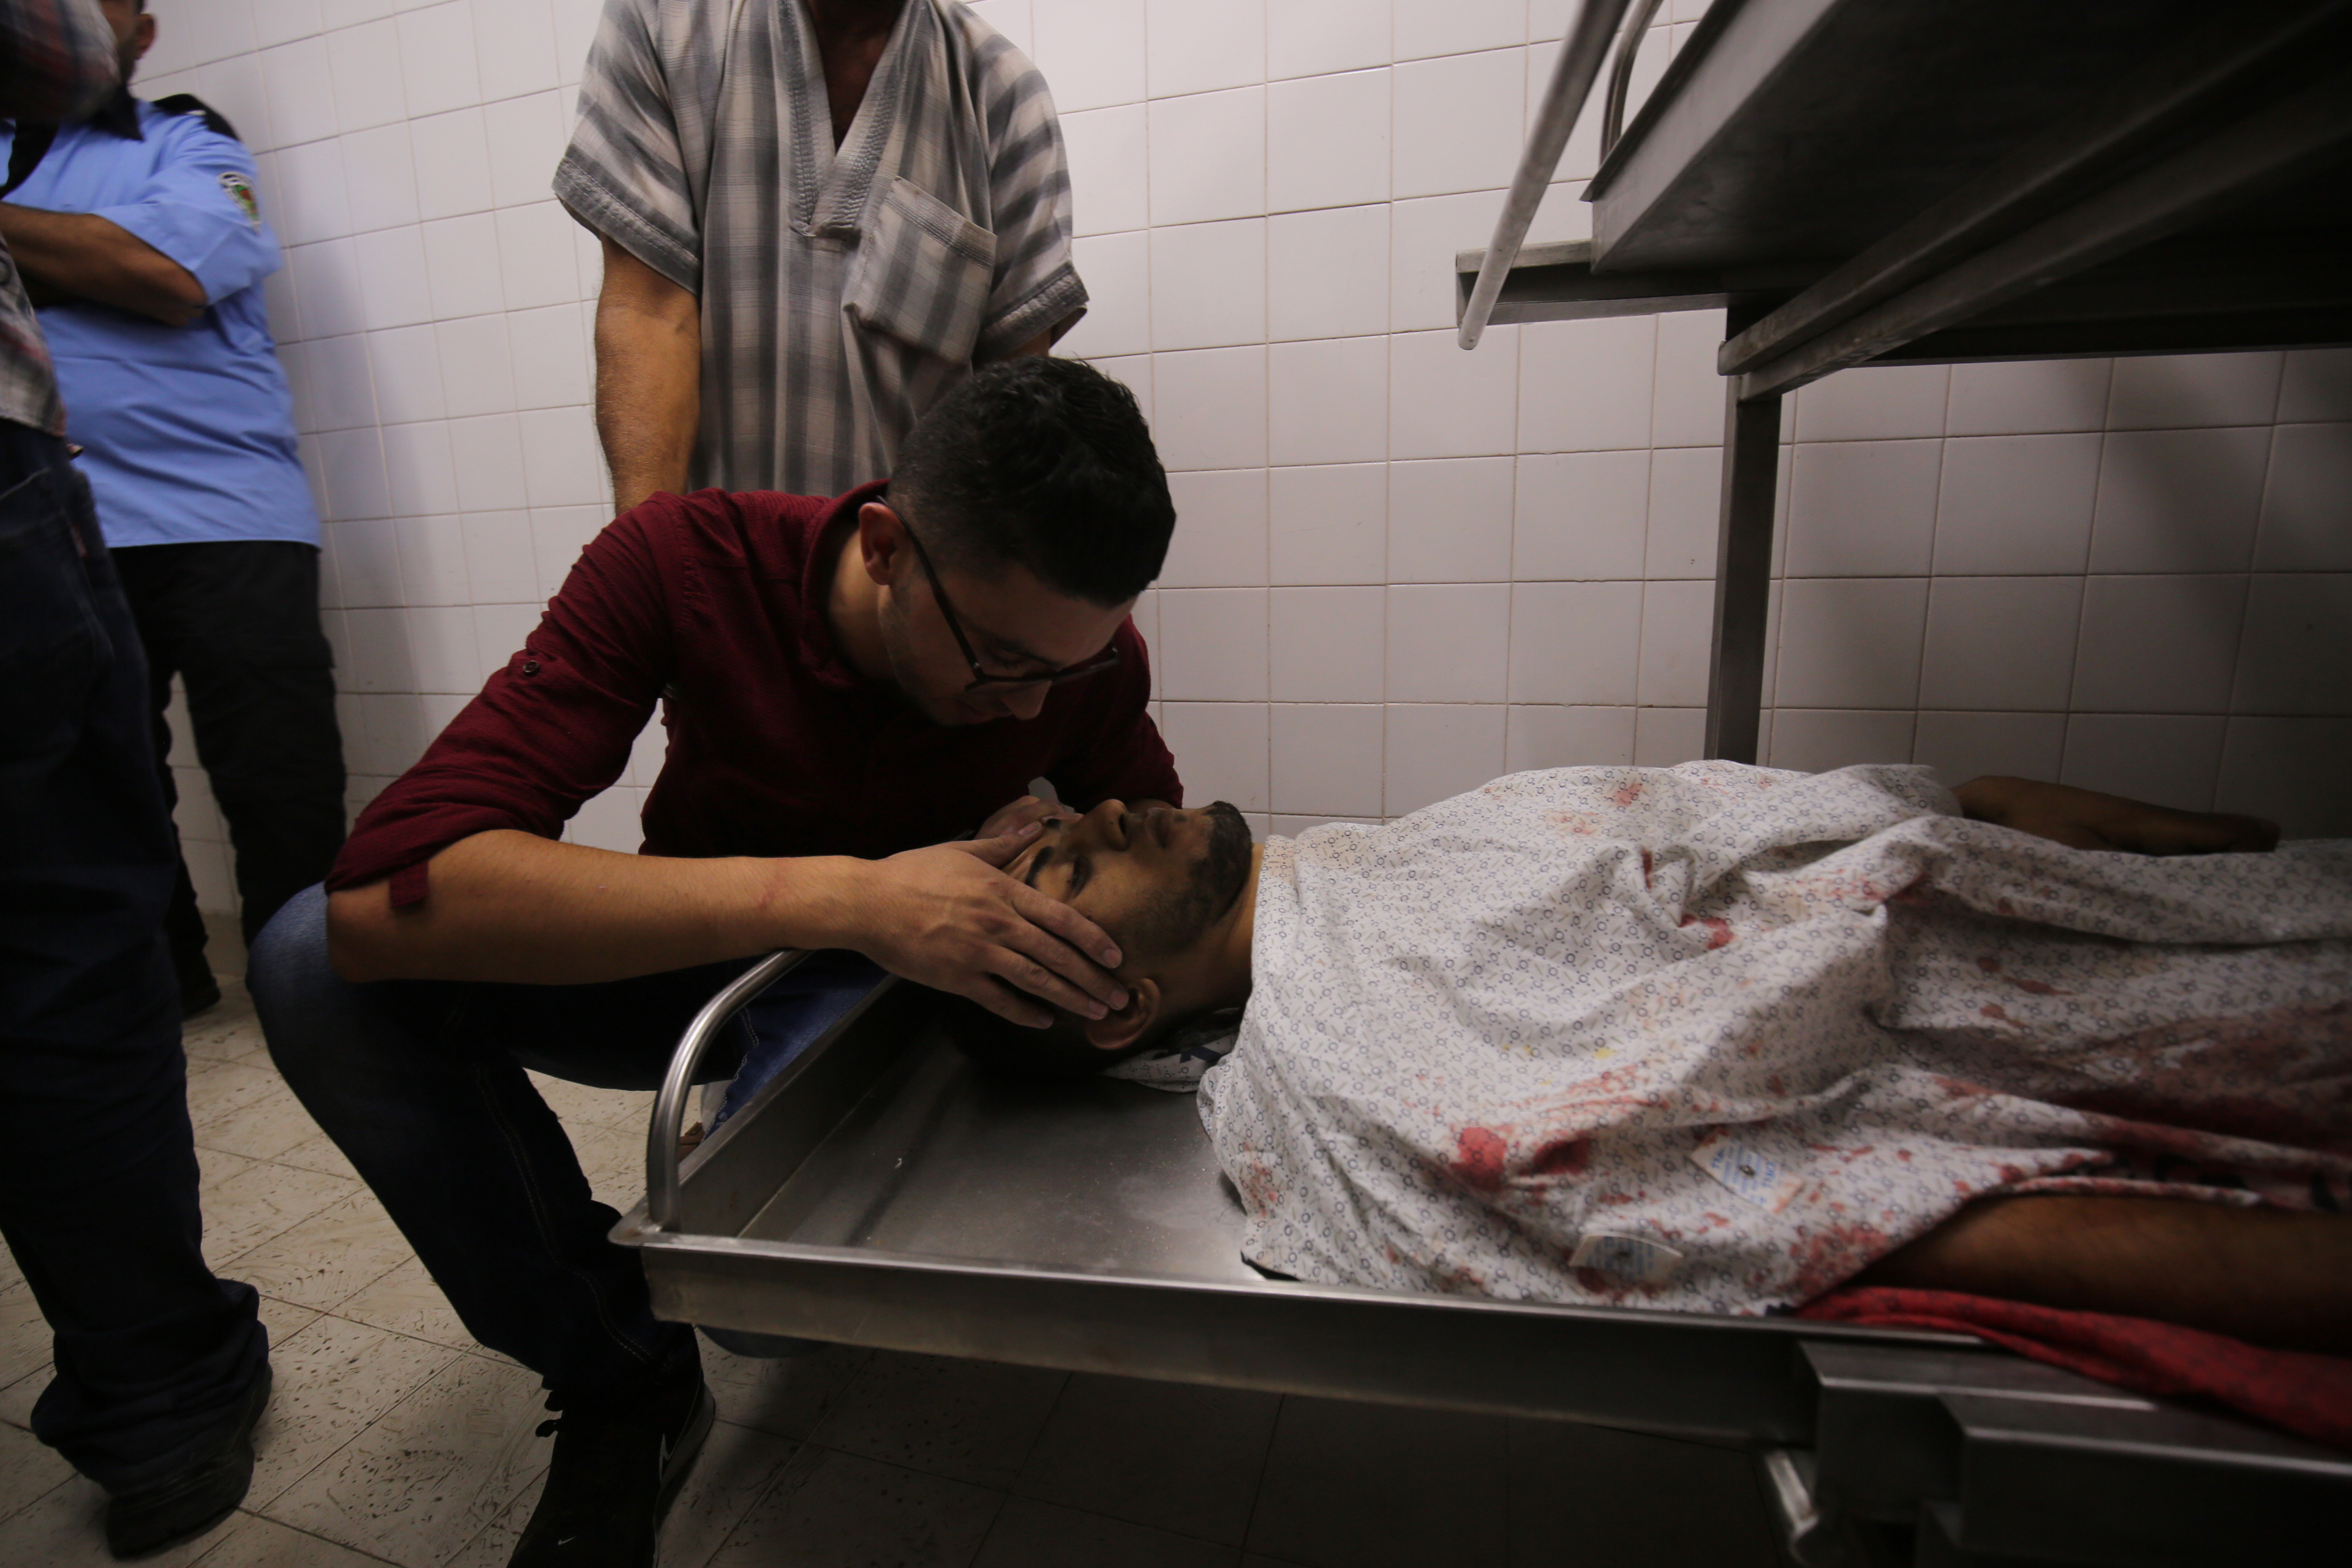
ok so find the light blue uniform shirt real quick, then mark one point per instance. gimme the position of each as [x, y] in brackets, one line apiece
[188, 431]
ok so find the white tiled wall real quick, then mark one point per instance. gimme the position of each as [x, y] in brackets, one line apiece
[1401, 569]
[433, 320]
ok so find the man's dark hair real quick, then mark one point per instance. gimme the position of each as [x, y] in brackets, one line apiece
[1006, 1049]
[1042, 463]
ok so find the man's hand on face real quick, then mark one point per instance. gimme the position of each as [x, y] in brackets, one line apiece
[2086, 819]
[1021, 814]
[948, 917]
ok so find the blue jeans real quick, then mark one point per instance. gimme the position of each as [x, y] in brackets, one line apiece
[98, 1166]
[421, 1084]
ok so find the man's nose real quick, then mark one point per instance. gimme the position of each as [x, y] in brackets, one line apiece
[1025, 703]
[1110, 824]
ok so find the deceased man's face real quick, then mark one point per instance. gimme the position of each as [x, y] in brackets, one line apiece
[1156, 880]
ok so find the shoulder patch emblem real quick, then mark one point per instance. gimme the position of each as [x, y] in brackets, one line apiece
[240, 191]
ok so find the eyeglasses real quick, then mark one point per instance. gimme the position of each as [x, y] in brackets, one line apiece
[980, 679]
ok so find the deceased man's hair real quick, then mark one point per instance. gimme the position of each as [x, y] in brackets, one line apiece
[1042, 463]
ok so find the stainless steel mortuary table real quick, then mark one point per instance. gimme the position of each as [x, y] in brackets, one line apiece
[879, 1191]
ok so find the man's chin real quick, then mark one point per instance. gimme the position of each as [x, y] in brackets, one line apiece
[957, 714]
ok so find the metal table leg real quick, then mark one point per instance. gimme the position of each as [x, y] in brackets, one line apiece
[1743, 574]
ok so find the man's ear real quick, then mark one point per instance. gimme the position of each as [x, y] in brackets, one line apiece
[1117, 1031]
[882, 547]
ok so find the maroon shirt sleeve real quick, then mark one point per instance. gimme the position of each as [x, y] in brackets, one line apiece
[549, 732]
[1120, 755]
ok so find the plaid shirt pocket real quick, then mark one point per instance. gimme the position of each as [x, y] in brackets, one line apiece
[922, 274]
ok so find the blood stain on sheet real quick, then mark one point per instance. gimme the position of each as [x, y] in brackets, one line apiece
[1261, 1192]
[2282, 1075]
[1478, 1156]
[1645, 869]
[1627, 794]
[1457, 1279]
[1562, 1157]
[1999, 1015]
[1718, 930]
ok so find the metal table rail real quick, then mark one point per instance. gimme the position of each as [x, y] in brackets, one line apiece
[1872, 181]
[880, 1191]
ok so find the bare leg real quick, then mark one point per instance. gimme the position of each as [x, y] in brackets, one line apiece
[2266, 1276]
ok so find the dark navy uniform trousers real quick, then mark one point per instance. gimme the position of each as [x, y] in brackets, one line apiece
[98, 1165]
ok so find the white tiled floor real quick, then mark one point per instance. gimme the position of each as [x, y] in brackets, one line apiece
[392, 1438]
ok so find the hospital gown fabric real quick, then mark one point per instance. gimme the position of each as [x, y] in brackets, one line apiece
[1715, 1037]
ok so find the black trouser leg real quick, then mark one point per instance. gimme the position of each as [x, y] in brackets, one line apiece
[424, 1085]
[239, 622]
[183, 924]
[97, 1168]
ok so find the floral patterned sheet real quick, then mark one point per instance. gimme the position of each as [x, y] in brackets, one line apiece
[1714, 1038]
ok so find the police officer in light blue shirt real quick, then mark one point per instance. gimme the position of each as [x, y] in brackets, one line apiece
[140, 234]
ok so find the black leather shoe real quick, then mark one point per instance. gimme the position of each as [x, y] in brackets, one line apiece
[184, 1506]
[617, 1467]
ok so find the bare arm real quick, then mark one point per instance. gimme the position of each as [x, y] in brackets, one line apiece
[1039, 344]
[80, 256]
[649, 377]
[510, 906]
[2264, 1276]
[2086, 819]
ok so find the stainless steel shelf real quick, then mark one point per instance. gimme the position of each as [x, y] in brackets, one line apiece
[1870, 181]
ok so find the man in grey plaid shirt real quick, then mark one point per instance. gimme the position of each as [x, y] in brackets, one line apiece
[817, 216]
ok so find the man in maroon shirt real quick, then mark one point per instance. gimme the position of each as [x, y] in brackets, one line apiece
[848, 686]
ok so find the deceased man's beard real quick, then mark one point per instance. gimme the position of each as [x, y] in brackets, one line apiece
[1178, 920]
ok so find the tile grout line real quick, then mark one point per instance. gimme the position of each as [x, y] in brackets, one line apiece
[312, 1534]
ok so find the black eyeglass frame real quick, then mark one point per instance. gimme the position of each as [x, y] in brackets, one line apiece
[1109, 659]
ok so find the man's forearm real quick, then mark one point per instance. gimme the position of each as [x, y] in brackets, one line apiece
[649, 377]
[85, 256]
[511, 906]
[2266, 1276]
